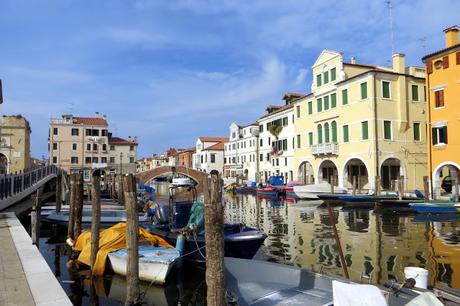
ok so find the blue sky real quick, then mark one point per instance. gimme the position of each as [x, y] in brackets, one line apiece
[169, 71]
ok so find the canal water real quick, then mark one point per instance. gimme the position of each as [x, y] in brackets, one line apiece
[300, 234]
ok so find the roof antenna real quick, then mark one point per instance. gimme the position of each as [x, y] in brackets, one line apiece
[390, 9]
[422, 41]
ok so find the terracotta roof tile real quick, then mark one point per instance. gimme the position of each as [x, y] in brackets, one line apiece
[90, 121]
[121, 141]
[217, 147]
[213, 139]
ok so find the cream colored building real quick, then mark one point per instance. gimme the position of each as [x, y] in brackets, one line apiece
[122, 154]
[362, 121]
[15, 144]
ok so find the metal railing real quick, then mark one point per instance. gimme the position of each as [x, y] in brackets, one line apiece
[12, 184]
[325, 148]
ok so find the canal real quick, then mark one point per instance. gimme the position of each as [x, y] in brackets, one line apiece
[379, 245]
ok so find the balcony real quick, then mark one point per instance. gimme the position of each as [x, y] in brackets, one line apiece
[325, 149]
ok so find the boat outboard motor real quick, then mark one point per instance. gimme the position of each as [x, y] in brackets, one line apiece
[161, 215]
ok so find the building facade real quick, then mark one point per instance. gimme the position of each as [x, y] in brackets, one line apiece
[362, 121]
[14, 144]
[185, 157]
[241, 152]
[122, 154]
[209, 154]
[443, 83]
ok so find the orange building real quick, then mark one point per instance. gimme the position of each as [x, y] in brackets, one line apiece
[443, 90]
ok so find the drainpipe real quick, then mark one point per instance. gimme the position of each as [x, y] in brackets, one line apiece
[429, 137]
[376, 130]
[257, 158]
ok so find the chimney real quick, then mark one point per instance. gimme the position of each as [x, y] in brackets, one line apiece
[452, 36]
[353, 60]
[399, 63]
[104, 117]
[97, 114]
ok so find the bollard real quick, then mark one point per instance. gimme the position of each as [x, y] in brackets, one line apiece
[132, 241]
[95, 219]
[70, 231]
[214, 237]
[58, 193]
[426, 188]
[78, 205]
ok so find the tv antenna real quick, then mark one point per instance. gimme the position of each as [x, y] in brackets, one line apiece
[390, 9]
[422, 41]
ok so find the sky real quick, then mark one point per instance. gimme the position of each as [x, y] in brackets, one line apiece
[169, 71]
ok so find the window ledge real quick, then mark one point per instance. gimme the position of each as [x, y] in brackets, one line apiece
[387, 99]
[441, 107]
[440, 145]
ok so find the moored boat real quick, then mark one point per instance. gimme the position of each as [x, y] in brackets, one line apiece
[154, 262]
[314, 191]
[268, 190]
[108, 217]
[434, 207]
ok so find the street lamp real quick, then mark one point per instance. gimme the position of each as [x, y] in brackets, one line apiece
[121, 162]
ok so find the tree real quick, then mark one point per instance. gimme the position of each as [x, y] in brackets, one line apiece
[275, 130]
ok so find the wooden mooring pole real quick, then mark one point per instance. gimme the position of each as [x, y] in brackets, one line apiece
[96, 218]
[378, 190]
[214, 237]
[35, 218]
[58, 192]
[132, 241]
[73, 190]
[121, 198]
[426, 188]
[337, 239]
[354, 184]
[78, 205]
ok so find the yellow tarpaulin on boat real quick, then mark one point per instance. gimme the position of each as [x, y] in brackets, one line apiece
[111, 240]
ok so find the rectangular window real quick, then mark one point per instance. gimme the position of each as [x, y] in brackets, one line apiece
[416, 131]
[346, 137]
[74, 160]
[54, 160]
[95, 159]
[345, 97]
[88, 160]
[55, 146]
[319, 105]
[74, 146]
[298, 111]
[363, 91]
[298, 142]
[131, 148]
[213, 158]
[326, 77]
[333, 74]
[414, 93]
[439, 98]
[261, 157]
[112, 148]
[75, 132]
[55, 131]
[94, 146]
[261, 128]
[104, 147]
[104, 160]
[439, 135]
[364, 130]
[387, 130]
[285, 121]
[310, 138]
[88, 147]
[88, 132]
[333, 100]
[318, 80]
[385, 90]
[95, 132]
[112, 159]
[310, 107]
[103, 132]
[131, 159]
[326, 102]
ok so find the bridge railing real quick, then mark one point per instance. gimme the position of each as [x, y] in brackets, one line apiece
[14, 183]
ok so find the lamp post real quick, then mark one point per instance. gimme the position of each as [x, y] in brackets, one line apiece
[121, 162]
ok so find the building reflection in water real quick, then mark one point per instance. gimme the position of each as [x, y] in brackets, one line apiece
[378, 245]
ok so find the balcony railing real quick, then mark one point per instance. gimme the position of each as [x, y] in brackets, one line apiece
[325, 149]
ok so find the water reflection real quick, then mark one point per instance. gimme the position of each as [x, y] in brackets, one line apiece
[380, 245]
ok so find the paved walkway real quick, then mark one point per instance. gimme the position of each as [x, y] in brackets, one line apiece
[25, 278]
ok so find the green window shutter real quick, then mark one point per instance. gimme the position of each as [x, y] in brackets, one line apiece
[326, 102]
[386, 89]
[434, 135]
[310, 107]
[334, 131]
[298, 111]
[319, 105]
[333, 74]
[298, 142]
[414, 93]
[320, 133]
[416, 131]
[365, 130]
[363, 91]
[345, 97]
[387, 130]
[326, 132]
[318, 80]
[310, 138]
[345, 134]
[326, 77]
[333, 100]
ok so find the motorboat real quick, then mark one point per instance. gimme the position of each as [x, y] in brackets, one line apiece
[268, 191]
[108, 217]
[434, 207]
[181, 182]
[314, 191]
[154, 262]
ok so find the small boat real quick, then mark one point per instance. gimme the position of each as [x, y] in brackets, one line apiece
[154, 262]
[181, 182]
[268, 191]
[245, 189]
[434, 207]
[314, 191]
[108, 217]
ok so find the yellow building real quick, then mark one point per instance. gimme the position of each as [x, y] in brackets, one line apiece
[361, 121]
[15, 144]
[443, 82]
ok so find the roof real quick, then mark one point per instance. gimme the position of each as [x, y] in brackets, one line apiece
[90, 121]
[437, 53]
[212, 139]
[121, 141]
[193, 149]
[279, 110]
[217, 147]
[380, 71]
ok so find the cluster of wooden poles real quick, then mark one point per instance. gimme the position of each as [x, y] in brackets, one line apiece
[214, 234]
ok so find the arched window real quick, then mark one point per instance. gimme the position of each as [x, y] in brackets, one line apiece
[326, 133]
[320, 133]
[334, 131]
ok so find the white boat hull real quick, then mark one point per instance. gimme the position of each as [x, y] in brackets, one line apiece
[312, 191]
[151, 268]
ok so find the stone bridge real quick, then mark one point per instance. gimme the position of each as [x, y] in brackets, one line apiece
[197, 176]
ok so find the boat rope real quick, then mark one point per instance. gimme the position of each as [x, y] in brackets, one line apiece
[196, 243]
